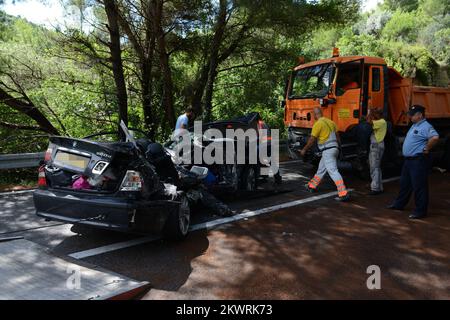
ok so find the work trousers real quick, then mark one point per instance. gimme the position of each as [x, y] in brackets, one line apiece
[375, 156]
[328, 163]
[414, 178]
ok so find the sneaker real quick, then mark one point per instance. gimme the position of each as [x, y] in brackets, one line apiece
[415, 216]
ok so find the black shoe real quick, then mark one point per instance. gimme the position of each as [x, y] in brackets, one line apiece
[311, 190]
[375, 193]
[415, 216]
[393, 207]
[343, 199]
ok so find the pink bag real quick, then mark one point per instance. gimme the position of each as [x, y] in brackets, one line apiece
[81, 183]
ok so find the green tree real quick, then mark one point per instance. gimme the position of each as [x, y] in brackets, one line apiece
[404, 5]
[403, 26]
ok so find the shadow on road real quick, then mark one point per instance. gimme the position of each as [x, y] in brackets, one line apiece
[165, 264]
[322, 251]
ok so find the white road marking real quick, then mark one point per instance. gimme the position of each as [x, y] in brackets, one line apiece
[391, 179]
[293, 175]
[211, 224]
[206, 225]
[16, 192]
[112, 247]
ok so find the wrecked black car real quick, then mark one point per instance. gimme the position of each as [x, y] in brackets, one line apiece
[130, 186]
[225, 176]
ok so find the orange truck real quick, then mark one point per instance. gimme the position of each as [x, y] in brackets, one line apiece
[346, 88]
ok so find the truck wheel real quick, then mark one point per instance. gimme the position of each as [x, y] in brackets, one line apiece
[293, 154]
[361, 169]
[248, 180]
[178, 222]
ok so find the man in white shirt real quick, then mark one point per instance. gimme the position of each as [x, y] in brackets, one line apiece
[183, 120]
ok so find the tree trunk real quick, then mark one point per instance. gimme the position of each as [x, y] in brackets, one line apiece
[147, 76]
[145, 53]
[199, 89]
[29, 109]
[116, 59]
[147, 92]
[214, 59]
[164, 62]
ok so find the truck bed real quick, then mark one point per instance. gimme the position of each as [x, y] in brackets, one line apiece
[403, 93]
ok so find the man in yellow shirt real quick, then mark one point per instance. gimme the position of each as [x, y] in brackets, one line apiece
[324, 132]
[379, 126]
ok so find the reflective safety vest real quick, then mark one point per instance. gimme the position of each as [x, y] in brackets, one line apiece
[331, 141]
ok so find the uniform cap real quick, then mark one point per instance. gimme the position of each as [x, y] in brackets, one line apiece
[416, 108]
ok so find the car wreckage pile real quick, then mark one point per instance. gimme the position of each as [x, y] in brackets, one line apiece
[131, 186]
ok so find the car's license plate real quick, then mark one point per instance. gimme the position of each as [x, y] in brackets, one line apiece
[72, 160]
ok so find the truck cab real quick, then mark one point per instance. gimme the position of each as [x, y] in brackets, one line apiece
[345, 88]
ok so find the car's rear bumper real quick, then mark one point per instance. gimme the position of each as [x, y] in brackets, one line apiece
[107, 212]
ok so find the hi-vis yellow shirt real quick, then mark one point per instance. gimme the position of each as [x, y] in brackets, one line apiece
[322, 129]
[379, 129]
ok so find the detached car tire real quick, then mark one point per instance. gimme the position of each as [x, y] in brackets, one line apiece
[178, 222]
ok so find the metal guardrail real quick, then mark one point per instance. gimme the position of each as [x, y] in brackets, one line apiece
[21, 160]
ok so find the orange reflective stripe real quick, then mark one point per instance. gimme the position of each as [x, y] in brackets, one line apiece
[342, 190]
[312, 186]
[342, 193]
[314, 182]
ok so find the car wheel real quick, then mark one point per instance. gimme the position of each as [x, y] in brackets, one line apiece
[278, 179]
[178, 222]
[248, 182]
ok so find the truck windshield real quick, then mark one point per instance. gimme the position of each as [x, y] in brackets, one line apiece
[311, 82]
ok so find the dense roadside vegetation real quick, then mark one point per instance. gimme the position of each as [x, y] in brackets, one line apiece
[144, 61]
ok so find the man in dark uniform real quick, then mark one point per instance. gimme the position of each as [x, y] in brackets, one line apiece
[420, 139]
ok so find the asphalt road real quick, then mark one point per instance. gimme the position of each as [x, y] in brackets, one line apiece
[315, 250]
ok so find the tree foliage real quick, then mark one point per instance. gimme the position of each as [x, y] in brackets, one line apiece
[412, 36]
[147, 60]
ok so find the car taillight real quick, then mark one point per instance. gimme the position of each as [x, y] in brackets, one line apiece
[262, 126]
[132, 181]
[48, 154]
[42, 181]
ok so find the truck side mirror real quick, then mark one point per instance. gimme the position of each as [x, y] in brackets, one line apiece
[324, 102]
[283, 104]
